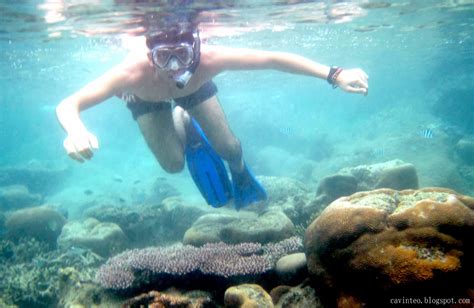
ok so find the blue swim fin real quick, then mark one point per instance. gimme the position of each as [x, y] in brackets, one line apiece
[247, 189]
[206, 167]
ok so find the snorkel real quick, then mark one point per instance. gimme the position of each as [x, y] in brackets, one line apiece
[182, 78]
[177, 52]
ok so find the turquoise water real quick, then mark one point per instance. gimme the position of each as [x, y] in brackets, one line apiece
[414, 52]
[419, 56]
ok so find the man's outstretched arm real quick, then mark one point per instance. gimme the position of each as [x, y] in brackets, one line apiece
[224, 58]
[79, 142]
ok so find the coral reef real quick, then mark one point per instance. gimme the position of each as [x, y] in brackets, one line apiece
[17, 196]
[195, 299]
[247, 296]
[292, 269]
[30, 272]
[42, 223]
[132, 268]
[36, 176]
[145, 225]
[337, 185]
[272, 226]
[389, 241]
[394, 174]
[104, 238]
[302, 296]
[280, 189]
[161, 190]
[285, 194]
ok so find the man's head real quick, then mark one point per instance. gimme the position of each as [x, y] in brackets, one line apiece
[174, 47]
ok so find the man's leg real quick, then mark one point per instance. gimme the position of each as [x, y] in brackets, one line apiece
[246, 188]
[212, 119]
[162, 139]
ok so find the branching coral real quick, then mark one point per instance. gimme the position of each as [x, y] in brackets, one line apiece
[217, 259]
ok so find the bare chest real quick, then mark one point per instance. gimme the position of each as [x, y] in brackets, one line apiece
[158, 88]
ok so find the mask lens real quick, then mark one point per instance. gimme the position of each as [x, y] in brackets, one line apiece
[184, 54]
[162, 55]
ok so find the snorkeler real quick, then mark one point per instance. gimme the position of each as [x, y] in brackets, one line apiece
[168, 87]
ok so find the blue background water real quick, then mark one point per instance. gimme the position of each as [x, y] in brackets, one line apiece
[415, 53]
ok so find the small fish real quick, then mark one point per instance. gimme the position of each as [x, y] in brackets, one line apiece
[287, 131]
[88, 192]
[77, 250]
[379, 152]
[137, 182]
[118, 179]
[426, 133]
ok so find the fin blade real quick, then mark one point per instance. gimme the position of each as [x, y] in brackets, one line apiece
[247, 189]
[206, 168]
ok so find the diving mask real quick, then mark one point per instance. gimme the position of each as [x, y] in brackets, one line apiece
[173, 57]
[176, 53]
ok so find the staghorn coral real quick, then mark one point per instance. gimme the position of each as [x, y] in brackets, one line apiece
[128, 269]
[393, 241]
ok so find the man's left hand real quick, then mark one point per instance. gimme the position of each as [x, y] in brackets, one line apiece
[353, 81]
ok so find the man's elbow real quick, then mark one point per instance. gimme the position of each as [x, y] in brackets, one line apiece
[61, 107]
[273, 60]
[65, 107]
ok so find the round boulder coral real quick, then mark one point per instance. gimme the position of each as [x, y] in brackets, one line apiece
[42, 223]
[103, 238]
[393, 242]
[247, 295]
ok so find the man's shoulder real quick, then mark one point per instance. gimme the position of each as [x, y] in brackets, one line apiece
[214, 54]
[215, 49]
[220, 52]
[135, 60]
[129, 72]
[134, 63]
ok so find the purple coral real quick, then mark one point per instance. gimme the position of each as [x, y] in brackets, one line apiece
[217, 259]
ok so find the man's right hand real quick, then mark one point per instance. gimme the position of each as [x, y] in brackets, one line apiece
[79, 146]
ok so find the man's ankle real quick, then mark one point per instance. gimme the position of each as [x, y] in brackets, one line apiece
[237, 168]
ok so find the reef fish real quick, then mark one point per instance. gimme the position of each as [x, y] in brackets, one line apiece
[427, 133]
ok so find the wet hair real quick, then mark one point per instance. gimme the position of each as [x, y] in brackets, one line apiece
[172, 34]
[169, 28]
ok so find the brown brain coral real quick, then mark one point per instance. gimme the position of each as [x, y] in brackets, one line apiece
[393, 241]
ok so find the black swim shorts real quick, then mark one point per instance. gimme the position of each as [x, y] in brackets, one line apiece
[139, 107]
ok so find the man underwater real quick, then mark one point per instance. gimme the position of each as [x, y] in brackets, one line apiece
[168, 87]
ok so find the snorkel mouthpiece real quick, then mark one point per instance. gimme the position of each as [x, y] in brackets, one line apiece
[182, 79]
